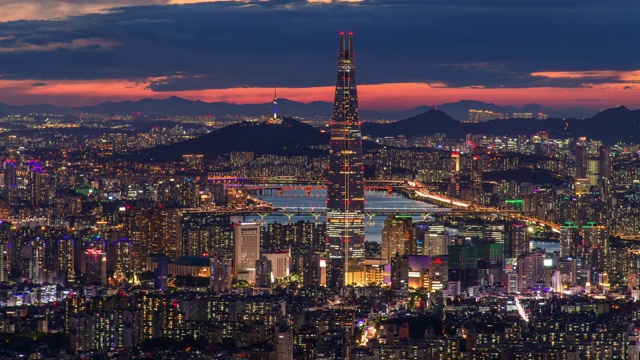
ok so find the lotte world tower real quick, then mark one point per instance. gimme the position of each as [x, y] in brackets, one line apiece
[345, 180]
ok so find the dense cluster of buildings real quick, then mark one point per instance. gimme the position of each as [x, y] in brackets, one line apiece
[103, 258]
[476, 116]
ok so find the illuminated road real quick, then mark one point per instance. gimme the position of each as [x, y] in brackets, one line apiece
[421, 191]
[521, 310]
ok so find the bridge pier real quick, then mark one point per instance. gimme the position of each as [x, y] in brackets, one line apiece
[370, 215]
[262, 216]
[289, 216]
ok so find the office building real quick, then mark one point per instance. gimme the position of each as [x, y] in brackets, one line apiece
[10, 180]
[280, 263]
[581, 159]
[246, 251]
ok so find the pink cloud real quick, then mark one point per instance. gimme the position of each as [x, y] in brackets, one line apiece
[393, 96]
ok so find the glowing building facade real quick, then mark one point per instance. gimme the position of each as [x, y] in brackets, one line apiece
[345, 180]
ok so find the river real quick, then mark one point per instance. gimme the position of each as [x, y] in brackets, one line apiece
[374, 200]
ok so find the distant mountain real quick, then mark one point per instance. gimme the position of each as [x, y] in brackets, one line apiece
[39, 108]
[177, 106]
[460, 110]
[291, 137]
[610, 125]
[431, 122]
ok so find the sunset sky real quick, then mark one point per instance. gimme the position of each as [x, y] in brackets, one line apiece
[408, 52]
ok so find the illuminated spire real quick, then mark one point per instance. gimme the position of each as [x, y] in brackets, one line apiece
[275, 101]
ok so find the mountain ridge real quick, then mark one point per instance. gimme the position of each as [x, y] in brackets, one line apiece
[291, 137]
[176, 106]
[609, 125]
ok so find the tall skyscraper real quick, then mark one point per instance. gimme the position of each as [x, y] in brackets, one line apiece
[247, 251]
[263, 273]
[38, 188]
[10, 180]
[96, 268]
[581, 158]
[518, 241]
[345, 180]
[605, 163]
[220, 273]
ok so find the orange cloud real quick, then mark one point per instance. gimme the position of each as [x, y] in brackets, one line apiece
[624, 76]
[11, 10]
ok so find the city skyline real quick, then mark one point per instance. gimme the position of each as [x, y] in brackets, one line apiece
[183, 229]
[414, 53]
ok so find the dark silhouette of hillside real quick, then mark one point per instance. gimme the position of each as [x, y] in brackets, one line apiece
[610, 125]
[288, 138]
[292, 137]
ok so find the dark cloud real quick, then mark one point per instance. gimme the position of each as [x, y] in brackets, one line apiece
[39, 84]
[144, 21]
[219, 45]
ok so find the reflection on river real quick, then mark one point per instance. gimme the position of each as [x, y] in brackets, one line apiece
[374, 200]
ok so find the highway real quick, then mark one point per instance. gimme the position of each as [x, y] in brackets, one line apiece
[421, 191]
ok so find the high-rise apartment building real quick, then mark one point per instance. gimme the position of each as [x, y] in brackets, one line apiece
[152, 232]
[530, 270]
[263, 273]
[96, 266]
[220, 273]
[345, 179]
[595, 249]
[436, 244]
[569, 239]
[64, 262]
[396, 236]
[518, 240]
[476, 116]
[605, 163]
[315, 269]
[38, 189]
